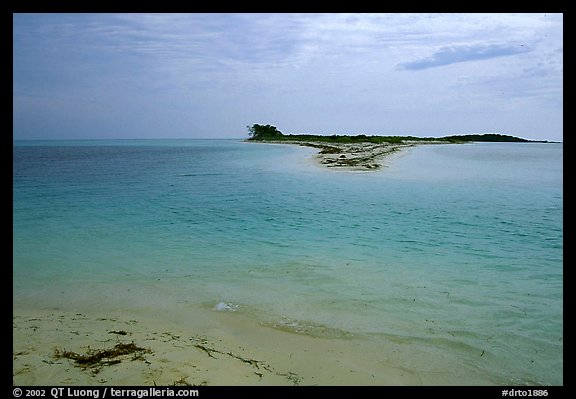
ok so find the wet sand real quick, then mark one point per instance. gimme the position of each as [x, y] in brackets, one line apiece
[172, 355]
[228, 349]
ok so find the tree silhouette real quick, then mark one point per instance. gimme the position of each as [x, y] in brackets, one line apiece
[263, 132]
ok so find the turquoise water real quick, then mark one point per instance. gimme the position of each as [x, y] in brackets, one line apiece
[453, 248]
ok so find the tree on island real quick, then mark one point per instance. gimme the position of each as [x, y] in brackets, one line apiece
[263, 132]
[267, 132]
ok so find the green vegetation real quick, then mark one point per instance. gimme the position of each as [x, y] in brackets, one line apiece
[264, 132]
[492, 137]
[271, 133]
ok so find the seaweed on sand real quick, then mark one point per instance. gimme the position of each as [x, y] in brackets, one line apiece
[104, 357]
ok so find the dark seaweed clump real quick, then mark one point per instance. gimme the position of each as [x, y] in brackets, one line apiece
[103, 357]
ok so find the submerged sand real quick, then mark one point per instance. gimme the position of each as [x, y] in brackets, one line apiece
[227, 349]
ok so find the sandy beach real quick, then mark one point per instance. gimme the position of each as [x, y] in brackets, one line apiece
[168, 354]
[229, 349]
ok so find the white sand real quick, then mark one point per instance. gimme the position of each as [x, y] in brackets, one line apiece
[227, 349]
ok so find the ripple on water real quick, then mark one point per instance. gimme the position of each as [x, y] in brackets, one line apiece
[309, 328]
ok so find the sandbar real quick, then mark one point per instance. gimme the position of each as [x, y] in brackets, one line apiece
[361, 156]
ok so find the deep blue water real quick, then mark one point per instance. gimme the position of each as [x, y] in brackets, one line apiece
[452, 247]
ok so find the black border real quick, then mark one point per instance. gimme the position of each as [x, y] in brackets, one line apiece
[43, 6]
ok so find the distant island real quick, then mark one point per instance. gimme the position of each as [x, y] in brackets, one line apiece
[363, 152]
[271, 133]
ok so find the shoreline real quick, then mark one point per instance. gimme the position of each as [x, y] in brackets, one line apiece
[208, 347]
[232, 352]
[363, 156]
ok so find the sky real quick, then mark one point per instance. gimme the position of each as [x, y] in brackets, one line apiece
[113, 76]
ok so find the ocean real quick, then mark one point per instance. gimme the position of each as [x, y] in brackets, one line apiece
[451, 254]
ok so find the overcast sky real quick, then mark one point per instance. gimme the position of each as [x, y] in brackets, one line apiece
[210, 75]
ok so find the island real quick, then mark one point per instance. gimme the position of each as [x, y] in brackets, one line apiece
[362, 152]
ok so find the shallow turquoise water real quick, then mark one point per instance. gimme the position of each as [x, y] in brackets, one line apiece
[458, 248]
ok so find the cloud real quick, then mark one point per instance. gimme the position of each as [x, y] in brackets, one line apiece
[462, 53]
[206, 75]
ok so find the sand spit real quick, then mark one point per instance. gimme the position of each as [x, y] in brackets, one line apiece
[353, 156]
